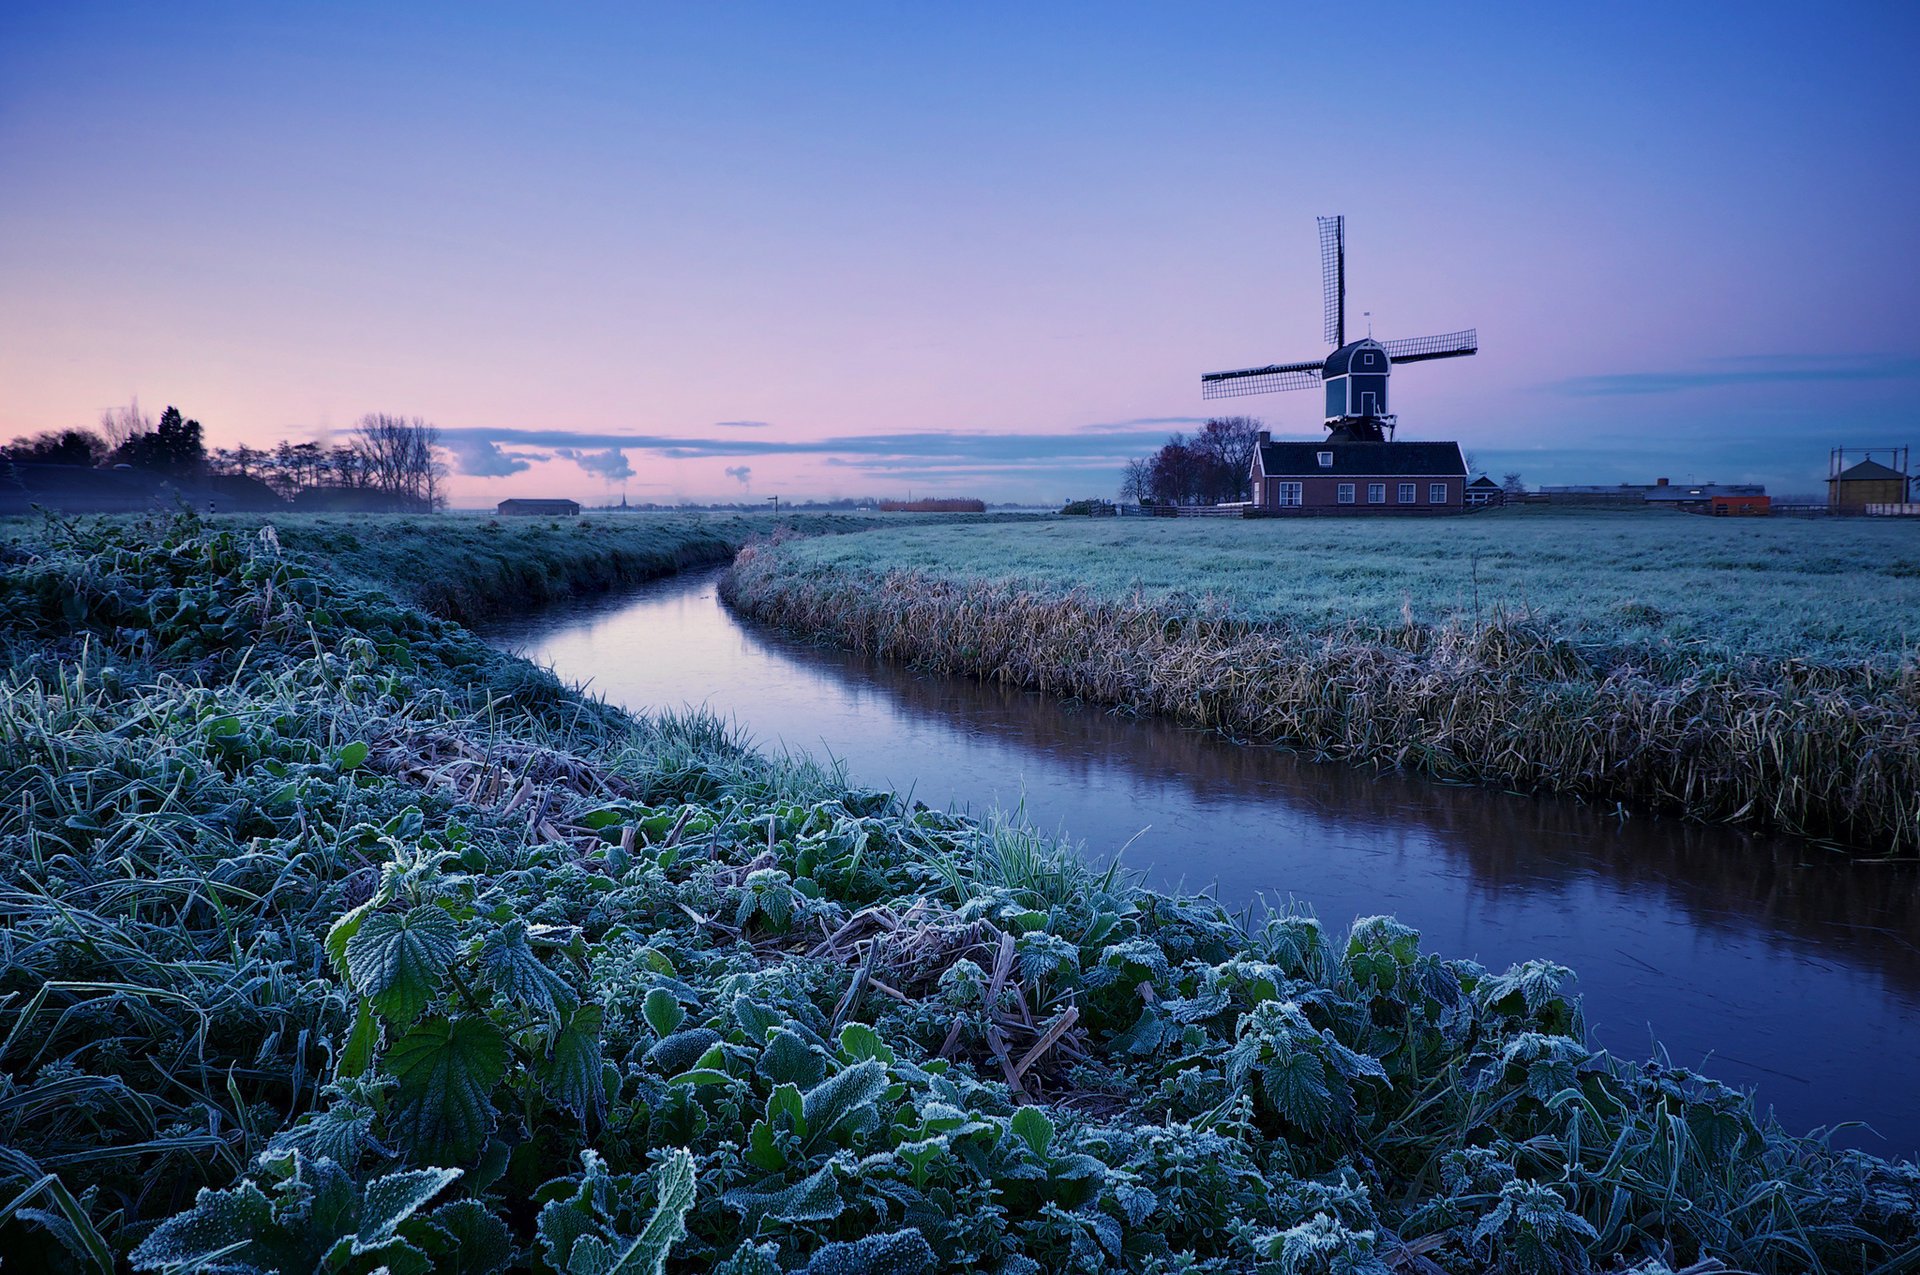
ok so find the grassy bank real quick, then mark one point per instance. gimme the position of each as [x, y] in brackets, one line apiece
[470, 567]
[1757, 672]
[335, 941]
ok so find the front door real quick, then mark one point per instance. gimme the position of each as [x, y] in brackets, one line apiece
[1369, 403]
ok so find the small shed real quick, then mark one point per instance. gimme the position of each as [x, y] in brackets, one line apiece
[1867, 483]
[523, 508]
[1484, 493]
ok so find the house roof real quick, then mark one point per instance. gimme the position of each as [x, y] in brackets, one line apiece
[1870, 471]
[1483, 481]
[538, 502]
[1364, 460]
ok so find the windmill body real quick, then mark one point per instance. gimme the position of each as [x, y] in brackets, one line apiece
[1354, 379]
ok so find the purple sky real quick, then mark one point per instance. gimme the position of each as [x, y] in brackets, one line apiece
[705, 251]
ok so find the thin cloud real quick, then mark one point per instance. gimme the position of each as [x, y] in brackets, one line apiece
[1747, 370]
[740, 424]
[1098, 442]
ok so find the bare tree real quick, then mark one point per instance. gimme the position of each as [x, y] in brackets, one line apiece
[1512, 485]
[399, 457]
[1136, 480]
[121, 425]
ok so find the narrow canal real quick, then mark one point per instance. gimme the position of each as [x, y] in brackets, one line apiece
[1768, 964]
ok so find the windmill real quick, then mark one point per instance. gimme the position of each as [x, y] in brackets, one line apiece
[1355, 374]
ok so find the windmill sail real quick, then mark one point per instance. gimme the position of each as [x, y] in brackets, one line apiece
[1333, 276]
[1452, 345]
[1262, 380]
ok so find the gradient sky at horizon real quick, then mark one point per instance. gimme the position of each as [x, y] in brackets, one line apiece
[984, 250]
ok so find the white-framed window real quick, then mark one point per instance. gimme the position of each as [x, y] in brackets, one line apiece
[1344, 493]
[1291, 493]
[1436, 493]
[1408, 492]
[1325, 459]
[1376, 493]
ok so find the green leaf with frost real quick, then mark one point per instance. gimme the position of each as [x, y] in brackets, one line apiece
[1031, 1126]
[646, 1253]
[663, 1012]
[447, 1072]
[787, 1059]
[362, 1039]
[399, 961]
[217, 1235]
[575, 1067]
[517, 972]
[844, 1102]
[859, 1042]
[815, 1198]
[351, 756]
[391, 1200]
[904, 1252]
[752, 1259]
[465, 1238]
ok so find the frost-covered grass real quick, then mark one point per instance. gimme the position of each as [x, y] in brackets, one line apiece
[332, 940]
[1829, 590]
[1754, 671]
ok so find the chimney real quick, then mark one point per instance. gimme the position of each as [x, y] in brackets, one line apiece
[1266, 436]
[1659, 482]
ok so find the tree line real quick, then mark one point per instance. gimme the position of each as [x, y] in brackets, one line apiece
[395, 456]
[1211, 467]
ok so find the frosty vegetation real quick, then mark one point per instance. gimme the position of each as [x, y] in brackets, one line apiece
[333, 941]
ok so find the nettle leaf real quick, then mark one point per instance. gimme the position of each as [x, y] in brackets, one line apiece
[398, 962]
[341, 932]
[388, 1201]
[517, 972]
[845, 1100]
[575, 1066]
[447, 1071]
[1295, 1083]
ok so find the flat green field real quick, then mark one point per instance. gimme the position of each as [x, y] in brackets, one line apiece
[1840, 590]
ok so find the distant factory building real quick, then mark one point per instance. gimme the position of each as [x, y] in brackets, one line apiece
[538, 508]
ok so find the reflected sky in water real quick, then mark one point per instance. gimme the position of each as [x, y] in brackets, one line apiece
[1768, 963]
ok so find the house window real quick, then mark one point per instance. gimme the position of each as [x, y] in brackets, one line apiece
[1344, 494]
[1376, 493]
[1436, 493]
[1326, 459]
[1407, 491]
[1290, 493]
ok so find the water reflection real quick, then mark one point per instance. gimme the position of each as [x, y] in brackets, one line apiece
[1769, 962]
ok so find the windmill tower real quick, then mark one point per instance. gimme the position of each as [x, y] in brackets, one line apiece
[1355, 375]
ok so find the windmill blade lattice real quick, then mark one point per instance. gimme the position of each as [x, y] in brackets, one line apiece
[1451, 345]
[1261, 380]
[1333, 276]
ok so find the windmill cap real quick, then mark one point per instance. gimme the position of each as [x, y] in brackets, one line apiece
[1364, 355]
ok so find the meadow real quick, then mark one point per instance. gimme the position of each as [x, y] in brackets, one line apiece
[333, 940]
[1756, 671]
[1673, 586]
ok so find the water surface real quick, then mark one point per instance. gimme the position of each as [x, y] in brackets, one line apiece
[1770, 964]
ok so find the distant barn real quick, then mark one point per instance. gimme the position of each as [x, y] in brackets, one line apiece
[1484, 493]
[1866, 483]
[538, 508]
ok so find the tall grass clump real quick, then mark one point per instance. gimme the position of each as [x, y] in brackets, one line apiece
[331, 940]
[1828, 751]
